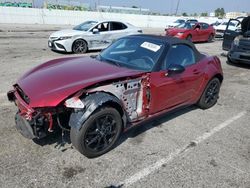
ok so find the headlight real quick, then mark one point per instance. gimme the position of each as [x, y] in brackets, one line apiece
[180, 33]
[64, 38]
[236, 41]
[74, 102]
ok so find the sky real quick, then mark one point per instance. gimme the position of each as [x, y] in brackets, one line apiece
[188, 6]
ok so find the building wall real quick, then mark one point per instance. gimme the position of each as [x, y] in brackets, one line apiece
[66, 17]
[235, 14]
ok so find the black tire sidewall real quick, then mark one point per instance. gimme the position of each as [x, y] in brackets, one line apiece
[210, 38]
[85, 50]
[77, 136]
[201, 102]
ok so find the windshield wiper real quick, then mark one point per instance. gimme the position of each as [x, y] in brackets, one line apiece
[93, 56]
[113, 62]
[101, 58]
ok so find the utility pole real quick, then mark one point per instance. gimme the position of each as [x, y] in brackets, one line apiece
[177, 7]
[98, 5]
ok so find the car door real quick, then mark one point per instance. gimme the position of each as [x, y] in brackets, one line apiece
[196, 33]
[101, 36]
[118, 30]
[230, 33]
[172, 90]
[204, 32]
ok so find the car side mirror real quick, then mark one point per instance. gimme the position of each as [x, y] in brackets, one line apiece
[175, 69]
[95, 30]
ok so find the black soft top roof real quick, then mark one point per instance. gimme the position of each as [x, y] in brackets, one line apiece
[168, 40]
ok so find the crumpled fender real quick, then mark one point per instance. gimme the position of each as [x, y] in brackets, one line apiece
[92, 102]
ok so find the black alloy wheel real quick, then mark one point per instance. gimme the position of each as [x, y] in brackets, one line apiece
[99, 133]
[79, 46]
[210, 94]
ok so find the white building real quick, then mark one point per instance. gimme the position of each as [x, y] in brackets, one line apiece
[127, 10]
[212, 14]
[235, 14]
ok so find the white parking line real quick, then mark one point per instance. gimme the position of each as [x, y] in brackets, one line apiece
[3, 95]
[4, 100]
[150, 169]
[6, 104]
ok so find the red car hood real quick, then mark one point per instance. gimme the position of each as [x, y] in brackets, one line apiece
[52, 82]
[174, 31]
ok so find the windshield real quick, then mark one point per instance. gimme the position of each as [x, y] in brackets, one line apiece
[185, 26]
[230, 23]
[85, 26]
[192, 21]
[133, 53]
[179, 21]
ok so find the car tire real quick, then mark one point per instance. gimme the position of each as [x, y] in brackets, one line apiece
[189, 38]
[79, 46]
[99, 133]
[230, 61]
[210, 38]
[210, 94]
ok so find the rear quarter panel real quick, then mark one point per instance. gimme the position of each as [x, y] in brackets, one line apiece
[212, 68]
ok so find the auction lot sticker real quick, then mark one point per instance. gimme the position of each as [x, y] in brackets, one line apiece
[151, 46]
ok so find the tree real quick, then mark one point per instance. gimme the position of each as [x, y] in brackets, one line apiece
[184, 14]
[134, 6]
[195, 14]
[204, 14]
[219, 12]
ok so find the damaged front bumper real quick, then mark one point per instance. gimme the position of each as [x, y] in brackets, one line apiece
[30, 122]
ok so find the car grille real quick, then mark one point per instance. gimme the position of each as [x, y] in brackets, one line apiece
[244, 45]
[219, 31]
[22, 94]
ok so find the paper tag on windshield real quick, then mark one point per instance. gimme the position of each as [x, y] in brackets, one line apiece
[151, 46]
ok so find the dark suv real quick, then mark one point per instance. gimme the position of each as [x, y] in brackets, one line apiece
[238, 42]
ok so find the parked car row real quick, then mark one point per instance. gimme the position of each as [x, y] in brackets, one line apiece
[96, 35]
[235, 34]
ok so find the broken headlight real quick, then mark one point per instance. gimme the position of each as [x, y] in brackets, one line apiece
[74, 102]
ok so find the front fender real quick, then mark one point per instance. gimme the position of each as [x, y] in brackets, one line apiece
[92, 102]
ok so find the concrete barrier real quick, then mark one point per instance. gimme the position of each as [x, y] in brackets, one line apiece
[66, 17]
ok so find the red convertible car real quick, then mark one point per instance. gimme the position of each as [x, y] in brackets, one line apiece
[96, 98]
[197, 32]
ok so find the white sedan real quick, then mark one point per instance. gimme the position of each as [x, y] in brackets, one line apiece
[220, 29]
[90, 35]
